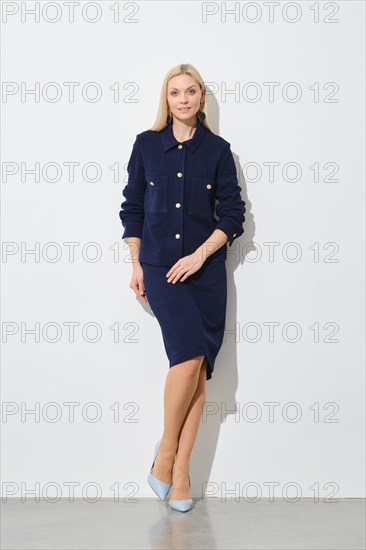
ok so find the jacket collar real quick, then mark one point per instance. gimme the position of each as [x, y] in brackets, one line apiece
[168, 140]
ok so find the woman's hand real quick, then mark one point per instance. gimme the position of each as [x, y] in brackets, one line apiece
[137, 281]
[185, 266]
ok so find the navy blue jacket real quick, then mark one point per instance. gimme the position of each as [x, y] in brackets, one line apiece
[171, 194]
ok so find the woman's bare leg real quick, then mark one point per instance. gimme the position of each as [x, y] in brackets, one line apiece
[191, 423]
[180, 391]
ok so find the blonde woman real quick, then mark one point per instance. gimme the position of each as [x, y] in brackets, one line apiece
[177, 171]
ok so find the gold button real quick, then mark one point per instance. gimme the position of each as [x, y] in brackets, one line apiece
[208, 186]
[152, 183]
[234, 235]
[177, 205]
[179, 174]
[180, 146]
[177, 236]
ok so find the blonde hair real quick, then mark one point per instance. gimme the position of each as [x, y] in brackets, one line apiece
[161, 118]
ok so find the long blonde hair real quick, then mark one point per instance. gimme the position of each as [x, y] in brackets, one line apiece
[161, 118]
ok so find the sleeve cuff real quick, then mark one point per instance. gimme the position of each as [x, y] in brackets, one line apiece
[230, 229]
[132, 230]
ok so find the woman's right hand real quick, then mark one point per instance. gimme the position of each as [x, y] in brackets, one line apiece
[137, 281]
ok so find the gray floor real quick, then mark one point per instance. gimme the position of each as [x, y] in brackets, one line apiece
[150, 523]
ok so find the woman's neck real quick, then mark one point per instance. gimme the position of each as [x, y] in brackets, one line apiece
[183, 132]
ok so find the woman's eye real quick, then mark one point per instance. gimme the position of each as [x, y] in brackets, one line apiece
[190, 91]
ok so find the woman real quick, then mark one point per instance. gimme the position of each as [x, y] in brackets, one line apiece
[177, 169]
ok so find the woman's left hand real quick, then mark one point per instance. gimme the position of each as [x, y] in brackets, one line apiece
[186, 266]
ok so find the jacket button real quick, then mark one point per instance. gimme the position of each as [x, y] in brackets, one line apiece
[179, 174]
[234, 235]
[152, 183]
[180, 146]
[208, 186]
[177, 205]
[177, 236]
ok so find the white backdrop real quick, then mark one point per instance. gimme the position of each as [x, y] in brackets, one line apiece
[83, 362]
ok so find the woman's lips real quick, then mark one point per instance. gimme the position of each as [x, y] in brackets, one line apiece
[184, 109]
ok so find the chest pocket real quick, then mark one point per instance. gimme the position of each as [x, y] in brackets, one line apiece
[202, 197]
[156, 200]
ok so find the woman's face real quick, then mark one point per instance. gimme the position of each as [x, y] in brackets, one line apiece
[184, 97]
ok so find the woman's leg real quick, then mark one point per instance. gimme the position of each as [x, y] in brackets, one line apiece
[191, 423]
[183, 388]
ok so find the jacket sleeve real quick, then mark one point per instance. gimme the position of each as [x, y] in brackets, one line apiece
[230, 207]
[132, 208]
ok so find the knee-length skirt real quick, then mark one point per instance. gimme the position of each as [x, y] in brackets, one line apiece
[191, 314]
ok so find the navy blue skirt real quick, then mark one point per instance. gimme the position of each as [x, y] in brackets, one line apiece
[191, 314]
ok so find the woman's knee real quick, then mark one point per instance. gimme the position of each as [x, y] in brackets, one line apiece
[198, 361]
[192, 365]
[204, 365]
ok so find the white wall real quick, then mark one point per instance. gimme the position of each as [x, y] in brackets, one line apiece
[312, 208]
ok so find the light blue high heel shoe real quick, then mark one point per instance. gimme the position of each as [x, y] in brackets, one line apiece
[182, 505]
[159, 487]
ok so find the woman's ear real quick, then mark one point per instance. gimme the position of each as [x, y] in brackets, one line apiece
[203, 97]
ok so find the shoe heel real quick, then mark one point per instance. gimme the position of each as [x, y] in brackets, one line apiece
[160, 488]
